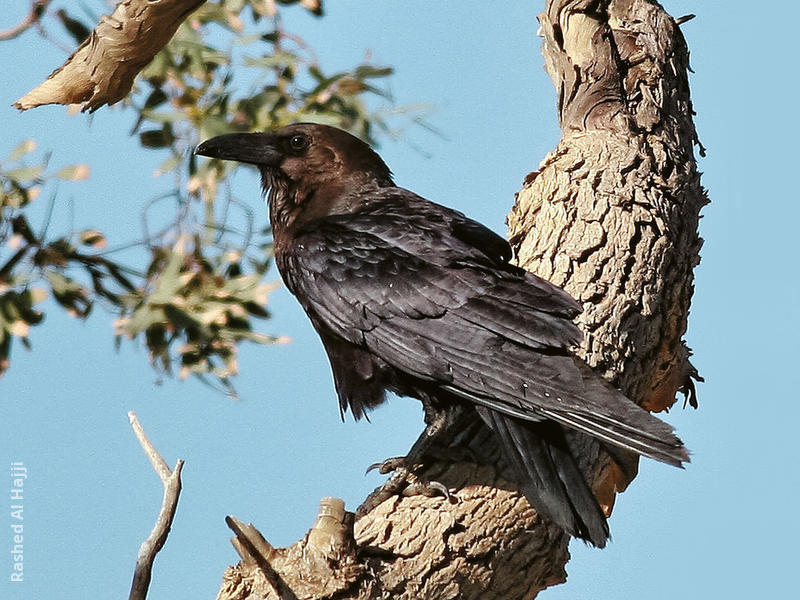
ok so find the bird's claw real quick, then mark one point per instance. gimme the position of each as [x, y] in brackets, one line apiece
[403, 482]
[431, 489]
[388, 465]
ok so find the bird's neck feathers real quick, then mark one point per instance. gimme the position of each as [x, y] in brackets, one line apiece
[292, 204]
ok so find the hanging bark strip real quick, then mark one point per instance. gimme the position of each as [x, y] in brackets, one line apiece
[612, 216]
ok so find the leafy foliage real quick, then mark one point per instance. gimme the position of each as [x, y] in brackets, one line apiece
[38, 268]
[208, 302]
[230, 67]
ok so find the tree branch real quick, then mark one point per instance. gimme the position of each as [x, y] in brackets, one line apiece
[612, 216]
[158, 537]
[37, 10]
[101, 71]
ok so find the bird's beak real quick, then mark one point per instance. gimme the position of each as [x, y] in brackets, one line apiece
[253, 148]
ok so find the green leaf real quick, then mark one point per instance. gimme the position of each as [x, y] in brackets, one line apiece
[157, 138]
[156, 98]
[169, 280]
[59, 283]
[350, 86]
[21, 149]
[74, 173]
[93, 238]
[25, 174]
[181, 319]
[171, 164]
[75, 28]
[367, 71]
[246, 40]
[142, 319]
[165, 117]
[243, 283]
[278, 59]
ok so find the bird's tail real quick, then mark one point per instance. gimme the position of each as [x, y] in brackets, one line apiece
[614, 419]
[548, 475]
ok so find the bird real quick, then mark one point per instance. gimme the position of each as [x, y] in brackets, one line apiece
[411, 297]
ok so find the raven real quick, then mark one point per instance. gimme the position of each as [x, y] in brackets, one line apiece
[415, 298]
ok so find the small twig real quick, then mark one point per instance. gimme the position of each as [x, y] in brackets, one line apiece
[32, 18]
[172, 490]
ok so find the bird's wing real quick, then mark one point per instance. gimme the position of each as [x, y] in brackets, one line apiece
[359, 273]
[523, 382]
[448, 239]
[434, 308]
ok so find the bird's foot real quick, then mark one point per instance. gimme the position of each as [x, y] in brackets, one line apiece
[403, 481]
[405, 478]
[411, 484]
[389, 465]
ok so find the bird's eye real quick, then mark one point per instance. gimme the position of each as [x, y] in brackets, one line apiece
[298, 143]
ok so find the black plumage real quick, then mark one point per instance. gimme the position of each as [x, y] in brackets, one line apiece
[413, 297]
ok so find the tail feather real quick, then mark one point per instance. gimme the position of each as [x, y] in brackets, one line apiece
[548, 475]
[628, 439]
[534, 387]
[614, 419]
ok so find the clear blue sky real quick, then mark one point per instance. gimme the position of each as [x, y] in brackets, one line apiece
[724, 528]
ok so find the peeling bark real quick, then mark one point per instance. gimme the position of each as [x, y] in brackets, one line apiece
[101, 71]
[611, 216]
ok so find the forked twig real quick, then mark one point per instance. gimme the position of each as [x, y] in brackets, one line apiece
[158, 537]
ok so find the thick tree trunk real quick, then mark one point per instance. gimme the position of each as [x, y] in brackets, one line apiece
[612, 216]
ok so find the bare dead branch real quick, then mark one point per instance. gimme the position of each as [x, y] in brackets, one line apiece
[254, 549]
[101, 71]
[37, 10]
[158, 537]
[158, 462]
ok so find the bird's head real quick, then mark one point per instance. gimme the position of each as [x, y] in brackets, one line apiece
[309, 169]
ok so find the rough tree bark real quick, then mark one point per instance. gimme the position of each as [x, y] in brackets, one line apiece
[612, 216]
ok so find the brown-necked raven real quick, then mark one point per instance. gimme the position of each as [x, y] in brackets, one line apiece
[413, 297]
